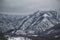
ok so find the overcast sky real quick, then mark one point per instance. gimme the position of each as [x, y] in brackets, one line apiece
[26, 7]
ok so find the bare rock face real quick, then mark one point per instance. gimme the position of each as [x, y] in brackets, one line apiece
[38, 23]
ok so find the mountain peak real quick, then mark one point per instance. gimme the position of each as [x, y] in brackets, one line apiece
[45, 15]
[35, 23]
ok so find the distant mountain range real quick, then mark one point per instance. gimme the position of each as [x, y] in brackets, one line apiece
[35, 24]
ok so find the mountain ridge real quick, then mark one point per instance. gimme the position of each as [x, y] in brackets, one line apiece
[31, 24]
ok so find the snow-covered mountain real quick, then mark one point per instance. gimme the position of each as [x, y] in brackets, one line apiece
[36, 23]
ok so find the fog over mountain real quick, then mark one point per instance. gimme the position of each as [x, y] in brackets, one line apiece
[26, 7]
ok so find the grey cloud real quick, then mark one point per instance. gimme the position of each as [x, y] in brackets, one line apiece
[26, 7]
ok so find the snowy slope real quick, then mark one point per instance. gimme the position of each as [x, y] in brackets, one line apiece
[36, 23]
